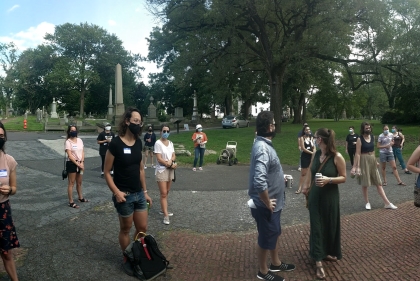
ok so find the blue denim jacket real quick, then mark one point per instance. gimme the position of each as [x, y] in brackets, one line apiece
[266, 173]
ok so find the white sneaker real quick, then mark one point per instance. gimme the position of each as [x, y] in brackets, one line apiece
[112, 172]
[145, 167]
[153, 166]
[391, 206]
[368, 206]
[169, 213]
[299, 169]
[166, 220]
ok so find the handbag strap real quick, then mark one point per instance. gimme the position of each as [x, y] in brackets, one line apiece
[320, 167]
[64, 159]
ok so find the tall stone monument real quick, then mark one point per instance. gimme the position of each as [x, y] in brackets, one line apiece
[151, 114]
[110, 106]
[54, 114]
[119, 102]
[194, 117]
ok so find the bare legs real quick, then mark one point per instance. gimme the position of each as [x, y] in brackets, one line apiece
[164, 187]
[262, 257]
[394, 171]
[9, 265]
[303, 172]
[140, 223]
[381, 193]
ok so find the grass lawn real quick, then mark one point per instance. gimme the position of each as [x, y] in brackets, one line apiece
[285, 142]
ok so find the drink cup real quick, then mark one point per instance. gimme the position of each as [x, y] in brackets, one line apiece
[317, 176]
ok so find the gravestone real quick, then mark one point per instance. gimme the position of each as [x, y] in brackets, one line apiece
[54, 110]
[194, 117]
[151, 114]
[119, 101]
[38, 115]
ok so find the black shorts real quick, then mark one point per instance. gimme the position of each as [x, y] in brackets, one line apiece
[71, 167]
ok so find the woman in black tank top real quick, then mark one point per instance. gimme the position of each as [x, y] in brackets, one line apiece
[366, 167]
[397, 147]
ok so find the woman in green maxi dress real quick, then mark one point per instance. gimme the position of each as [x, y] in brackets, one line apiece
[324, 201]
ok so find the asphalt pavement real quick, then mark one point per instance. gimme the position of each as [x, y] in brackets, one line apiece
[211, 235]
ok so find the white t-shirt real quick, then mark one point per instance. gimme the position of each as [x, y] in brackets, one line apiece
[166, 154]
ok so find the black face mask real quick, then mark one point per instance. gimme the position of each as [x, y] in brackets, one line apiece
[73, 134]
[150, 131]
[134, 128]
[2, 142]
[269, 134]
[367, 131]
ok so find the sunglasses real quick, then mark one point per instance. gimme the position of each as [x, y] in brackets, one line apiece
[165, 131]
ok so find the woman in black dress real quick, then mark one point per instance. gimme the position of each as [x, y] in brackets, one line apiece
[308, 148]
[324, 201]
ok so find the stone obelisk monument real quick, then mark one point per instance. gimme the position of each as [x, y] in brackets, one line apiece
[119, 102]
[194, 117]
[110, 106]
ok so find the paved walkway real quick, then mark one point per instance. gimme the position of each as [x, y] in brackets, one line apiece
[211, 236]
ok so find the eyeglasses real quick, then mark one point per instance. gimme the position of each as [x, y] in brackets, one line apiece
[165, 131]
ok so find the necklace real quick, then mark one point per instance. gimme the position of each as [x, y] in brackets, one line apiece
[322, 158]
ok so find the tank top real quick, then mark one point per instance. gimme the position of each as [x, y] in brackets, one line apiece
[308, 143]
[367, 146]
[397, 140]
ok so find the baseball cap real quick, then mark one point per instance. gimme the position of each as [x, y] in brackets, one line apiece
[198, 126]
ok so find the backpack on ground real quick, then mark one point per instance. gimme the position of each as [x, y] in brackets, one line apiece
[148, 261]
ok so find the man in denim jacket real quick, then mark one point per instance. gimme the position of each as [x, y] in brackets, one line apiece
[266, 189]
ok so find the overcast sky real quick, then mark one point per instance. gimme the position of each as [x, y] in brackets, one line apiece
[25, 22]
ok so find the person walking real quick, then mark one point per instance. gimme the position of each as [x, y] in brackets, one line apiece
[397, 147]
[351, 140]
[128, 187]
[165, 170]
[103, 139]
[8, 187]
[266, 190]
[324, 200]
[308, 148]
[366, 167]
[149, 144]
[75, 165]
[200, 139]
[385, 143]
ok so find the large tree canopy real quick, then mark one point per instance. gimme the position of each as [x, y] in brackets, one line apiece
[281, 38]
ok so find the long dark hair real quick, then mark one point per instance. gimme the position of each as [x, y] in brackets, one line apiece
[5, 134]
[68, 130]
[122, 126]
[328, 137]
[362, 128]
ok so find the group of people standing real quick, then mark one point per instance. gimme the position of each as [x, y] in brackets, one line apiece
[323, 168]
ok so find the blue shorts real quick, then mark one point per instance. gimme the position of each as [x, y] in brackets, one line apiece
[268, 226]
[386, 156]
[134, 202]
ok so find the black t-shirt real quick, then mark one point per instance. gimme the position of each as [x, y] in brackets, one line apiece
[126, 164]
[103, 147]
[350, 139]
[150, 136]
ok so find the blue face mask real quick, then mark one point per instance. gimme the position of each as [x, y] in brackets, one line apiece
[165, 135]
[386, 132]
[393, 130]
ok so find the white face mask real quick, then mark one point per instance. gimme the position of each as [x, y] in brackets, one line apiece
[108, 128]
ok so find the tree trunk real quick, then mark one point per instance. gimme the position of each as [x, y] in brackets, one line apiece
[276, 94]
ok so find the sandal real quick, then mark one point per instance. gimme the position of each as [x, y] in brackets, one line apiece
[298, 191]
[320, 273]
[384, 184]
[401, 183]
[73, 205]
[330, 258]
[83, 200]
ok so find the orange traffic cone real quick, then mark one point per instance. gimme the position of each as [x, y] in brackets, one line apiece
[24, 124]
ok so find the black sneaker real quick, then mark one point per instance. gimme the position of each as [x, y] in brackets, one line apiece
[269, 276]
[127, 266]
[282, 267]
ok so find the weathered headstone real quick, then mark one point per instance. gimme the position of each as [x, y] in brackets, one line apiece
[54, 110]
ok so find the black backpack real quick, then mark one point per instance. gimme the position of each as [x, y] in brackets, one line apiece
[148, 261]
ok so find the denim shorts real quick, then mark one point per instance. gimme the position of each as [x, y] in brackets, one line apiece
[134, 202]
[268, 226]
[386, 156]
